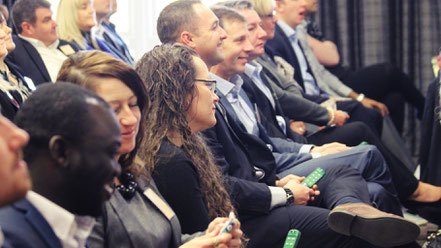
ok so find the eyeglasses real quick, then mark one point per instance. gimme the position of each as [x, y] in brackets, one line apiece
[210, 83]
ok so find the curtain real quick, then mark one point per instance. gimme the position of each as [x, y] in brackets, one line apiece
[406, 33]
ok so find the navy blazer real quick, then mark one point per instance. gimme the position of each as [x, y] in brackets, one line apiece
[267, 112]
[29, 60]
[24, 226]
[236, 153]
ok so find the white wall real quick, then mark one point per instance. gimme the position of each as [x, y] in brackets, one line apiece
[136, 22]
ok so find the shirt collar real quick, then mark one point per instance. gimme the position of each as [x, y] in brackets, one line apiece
[289, 32]
[38, 43]
[226, 87]
[63, 223]
[252, 68]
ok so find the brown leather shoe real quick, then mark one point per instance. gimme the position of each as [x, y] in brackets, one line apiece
[372, 225]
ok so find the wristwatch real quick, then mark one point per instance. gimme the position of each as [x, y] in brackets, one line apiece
[289, 197]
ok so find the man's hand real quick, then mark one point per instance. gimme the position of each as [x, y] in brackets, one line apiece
[298, 127]
[302, 194]
[211, 240]
[370, 103]
[282, 182]
[330, 148]
[340, 117]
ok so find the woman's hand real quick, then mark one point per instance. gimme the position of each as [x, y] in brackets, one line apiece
[211, 240]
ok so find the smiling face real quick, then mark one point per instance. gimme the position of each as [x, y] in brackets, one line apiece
[237, 48]
[256, 34]
[200, 115]
[292, 12]
[14, 177]
[93, 163]
[125, 104]
[86, 16]
[209, 36]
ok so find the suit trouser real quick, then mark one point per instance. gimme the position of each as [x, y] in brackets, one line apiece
[357, 112]
[366, 159]
[270, 230]
[351, 134]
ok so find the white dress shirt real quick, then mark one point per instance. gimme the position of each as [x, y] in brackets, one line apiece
[52, 57]
[72, 230]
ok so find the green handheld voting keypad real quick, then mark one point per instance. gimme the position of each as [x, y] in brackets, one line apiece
[292, 238]
[313, 177]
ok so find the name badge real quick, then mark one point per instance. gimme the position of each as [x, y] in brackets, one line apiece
[159, 203]
[67, 50]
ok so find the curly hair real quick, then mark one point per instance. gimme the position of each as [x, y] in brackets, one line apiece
[169, 74]
[84, 67]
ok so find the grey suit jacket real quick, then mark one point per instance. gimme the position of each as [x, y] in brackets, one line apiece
[126, 223]
[290, 96]
[325, 80]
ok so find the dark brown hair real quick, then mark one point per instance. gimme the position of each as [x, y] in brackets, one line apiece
[84, 67]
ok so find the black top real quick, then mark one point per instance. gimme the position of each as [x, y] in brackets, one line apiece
[178, 182]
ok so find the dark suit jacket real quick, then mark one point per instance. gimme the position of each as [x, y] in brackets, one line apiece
[280, 44]
[267, 112]
[24, 226]
[237, 152]
[7, 106]
[29, 60]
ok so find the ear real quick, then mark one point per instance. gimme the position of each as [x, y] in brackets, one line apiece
[26, 28]
[59, 150]
[187, 39]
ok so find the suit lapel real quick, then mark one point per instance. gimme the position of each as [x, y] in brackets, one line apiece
[36, 58]
[39, 224]
[291, 54]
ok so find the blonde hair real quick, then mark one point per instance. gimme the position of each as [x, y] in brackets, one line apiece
[263, 7]
[67, 19]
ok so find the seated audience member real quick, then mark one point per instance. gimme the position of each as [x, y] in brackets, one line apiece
[76, 18]
[382, 82]
[15, 181]
[13, 87]
[265, 221]
[14, 177]
[291, 157]
[38, 52]
[176, 155]
[70, 154]
[407, 186]
[318, 84]
[105, 30]
[136, 215]
[430, 157]
[201, 32]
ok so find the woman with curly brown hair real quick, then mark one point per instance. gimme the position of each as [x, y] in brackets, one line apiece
[182, 103]
[136, 215]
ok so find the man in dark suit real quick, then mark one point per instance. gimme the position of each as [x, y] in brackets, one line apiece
[270, 113]
[317, 82]
[38, 52]
[247, 161]
[72, 164]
